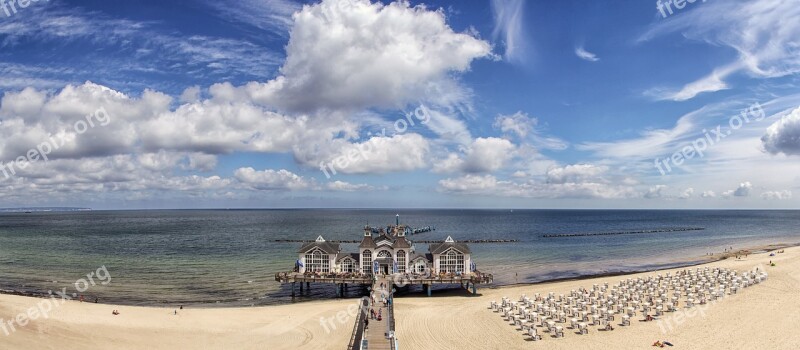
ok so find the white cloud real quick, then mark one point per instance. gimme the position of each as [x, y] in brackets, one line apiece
[783, 136]
[687, 193]
[762, 32]
[338, 52]
[742, 191]
[379, 154]
[708, 194]
[271, 179]
[348, 187]
[575, 173]
[777, 195]
[509, 26]
[710, 83]
[586, 55]
[489, 185]
[483, 155]
[655, 192]
[524, 127]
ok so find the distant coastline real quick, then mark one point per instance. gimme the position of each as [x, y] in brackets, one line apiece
[42, 209]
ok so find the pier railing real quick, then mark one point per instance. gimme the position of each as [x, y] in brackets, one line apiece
[358, 328]
[390, 323]
[290, 277]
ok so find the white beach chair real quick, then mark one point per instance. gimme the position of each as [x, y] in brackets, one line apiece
[626, 320]
[534, 334]
[583, 327]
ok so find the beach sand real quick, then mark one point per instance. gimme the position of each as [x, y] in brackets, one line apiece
[764, 316]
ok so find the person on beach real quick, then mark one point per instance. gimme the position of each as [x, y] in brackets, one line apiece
[96, 299]
[366, 323]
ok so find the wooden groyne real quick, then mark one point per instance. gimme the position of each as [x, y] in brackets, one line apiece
[416, 241]
[561, 235]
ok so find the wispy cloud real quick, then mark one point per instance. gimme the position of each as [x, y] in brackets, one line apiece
[508, 26]
[763, 33]
[270, 15]
[586, 55]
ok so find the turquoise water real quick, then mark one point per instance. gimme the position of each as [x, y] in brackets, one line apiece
[229, 257]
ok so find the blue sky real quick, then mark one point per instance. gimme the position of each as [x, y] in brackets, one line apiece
[520, 104]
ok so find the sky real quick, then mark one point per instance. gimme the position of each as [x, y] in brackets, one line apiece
[365, 104]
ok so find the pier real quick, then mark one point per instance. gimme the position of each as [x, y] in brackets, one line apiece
[385, 262]
[469, 281]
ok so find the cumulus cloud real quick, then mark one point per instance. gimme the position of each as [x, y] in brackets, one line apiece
[575, 173]
[489, 185]
[483, 155]
[783, 136]
[777, 195]
[571, 181]
[742, 191]
[687, 193]
[708, 194]
[271, 179]
[378, 154]
[655, 192]
[338, 52]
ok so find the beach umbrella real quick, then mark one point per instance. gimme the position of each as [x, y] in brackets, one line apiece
[473, 267]
[394, 267]
[299, 263]
[375, 266]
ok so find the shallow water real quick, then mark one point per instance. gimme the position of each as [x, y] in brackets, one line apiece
[229, 257]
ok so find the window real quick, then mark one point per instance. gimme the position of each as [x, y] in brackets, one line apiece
[348, 265]
[452, 261]
[317, 261]
[401, 261]
[384, 254]
[366, 262]
[420, 266]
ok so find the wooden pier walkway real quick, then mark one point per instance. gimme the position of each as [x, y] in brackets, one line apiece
[377, 331]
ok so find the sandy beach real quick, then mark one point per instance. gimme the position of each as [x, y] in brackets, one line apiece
[760, 317]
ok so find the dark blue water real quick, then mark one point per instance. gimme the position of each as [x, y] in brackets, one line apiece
[229, 257]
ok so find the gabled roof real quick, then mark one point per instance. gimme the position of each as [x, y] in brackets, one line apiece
[439, 248]
[428, 257]
[384, 240]
[367, 242]
[327, 247]
[341, 256]
[401, 242]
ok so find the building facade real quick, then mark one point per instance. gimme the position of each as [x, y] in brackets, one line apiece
[388, 252]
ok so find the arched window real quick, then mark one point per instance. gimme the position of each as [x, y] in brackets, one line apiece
[348, 265]
[384, 254]
[451, 261]
[318, 261]
[401, 261]
[366, 262]
[420, 266]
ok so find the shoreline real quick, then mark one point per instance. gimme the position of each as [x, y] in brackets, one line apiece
[685, 263]
[422, 322]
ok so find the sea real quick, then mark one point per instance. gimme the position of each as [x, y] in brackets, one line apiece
[228, 258]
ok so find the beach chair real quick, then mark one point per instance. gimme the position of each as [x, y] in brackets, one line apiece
[534, 334]
[626, 320]
[559, 332]
[583, 328]
[573, 323]
[493, 305]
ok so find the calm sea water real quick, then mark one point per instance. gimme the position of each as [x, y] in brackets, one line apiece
[229, 257]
